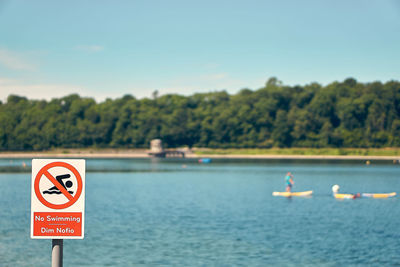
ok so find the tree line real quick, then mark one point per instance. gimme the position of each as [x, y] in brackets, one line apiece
[341, 114]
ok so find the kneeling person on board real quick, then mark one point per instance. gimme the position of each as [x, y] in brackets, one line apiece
[289, 181]
[335, 190]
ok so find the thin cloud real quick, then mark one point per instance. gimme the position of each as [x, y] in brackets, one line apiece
[48, 91]
[206, 79]
[90, 48]
[36, 91]
[216, 77]
[15, 61]
[212, 65]
[203, 83]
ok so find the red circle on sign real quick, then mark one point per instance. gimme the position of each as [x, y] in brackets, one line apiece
[44, 170]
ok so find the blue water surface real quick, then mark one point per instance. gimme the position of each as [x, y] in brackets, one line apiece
[177, 212]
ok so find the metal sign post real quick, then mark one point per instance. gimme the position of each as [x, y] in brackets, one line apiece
[58, 202]
[57, 253]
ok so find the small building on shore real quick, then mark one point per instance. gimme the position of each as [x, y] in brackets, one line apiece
[156, 146]
[157, 150]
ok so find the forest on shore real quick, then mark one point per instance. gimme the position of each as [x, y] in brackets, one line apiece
[346, 114]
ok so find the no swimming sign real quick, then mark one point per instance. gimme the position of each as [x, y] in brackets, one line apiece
[58, 198]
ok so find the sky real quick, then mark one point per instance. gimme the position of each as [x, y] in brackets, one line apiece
[107, 49]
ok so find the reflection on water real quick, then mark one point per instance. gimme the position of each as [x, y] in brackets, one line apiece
[177, 212]
[173, 164]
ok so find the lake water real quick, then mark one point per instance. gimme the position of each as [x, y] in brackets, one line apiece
[178, 212]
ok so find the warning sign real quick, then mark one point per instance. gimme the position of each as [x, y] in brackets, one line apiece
[57, 198]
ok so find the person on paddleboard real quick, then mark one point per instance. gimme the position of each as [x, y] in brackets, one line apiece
[335, 190]
[289, 181]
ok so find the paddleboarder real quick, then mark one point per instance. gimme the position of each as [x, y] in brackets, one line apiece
[335, 190]
[289, 181]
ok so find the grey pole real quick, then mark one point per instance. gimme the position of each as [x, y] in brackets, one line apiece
[57, 253]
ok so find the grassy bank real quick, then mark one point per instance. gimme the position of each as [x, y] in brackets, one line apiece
[302, 151]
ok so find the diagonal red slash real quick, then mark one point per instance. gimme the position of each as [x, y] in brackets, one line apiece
[43, 173]
[58, 185]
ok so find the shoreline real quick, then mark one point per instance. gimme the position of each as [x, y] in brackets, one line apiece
[189, 155]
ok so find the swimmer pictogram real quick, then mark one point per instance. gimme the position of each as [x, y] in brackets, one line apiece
[59, 178]
[59, 185]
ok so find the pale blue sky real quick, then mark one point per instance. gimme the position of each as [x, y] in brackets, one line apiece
[106, 49]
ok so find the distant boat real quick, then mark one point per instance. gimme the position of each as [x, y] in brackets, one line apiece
[205, 160]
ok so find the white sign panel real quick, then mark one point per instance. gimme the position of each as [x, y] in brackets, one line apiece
[58, 198]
